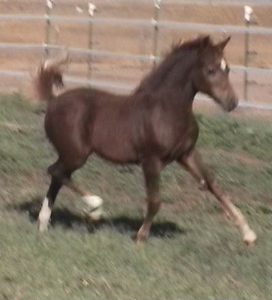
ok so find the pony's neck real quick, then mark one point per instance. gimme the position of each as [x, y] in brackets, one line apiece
[174, 73]
[180, 98]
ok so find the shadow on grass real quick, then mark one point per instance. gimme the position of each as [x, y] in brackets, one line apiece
[72, 220]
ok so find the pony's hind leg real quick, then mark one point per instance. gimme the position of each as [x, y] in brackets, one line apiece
[57, 177]
[61, 175]
[151, 171]
[194, 165]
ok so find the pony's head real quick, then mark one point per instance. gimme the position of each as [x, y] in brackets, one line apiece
[212, 75]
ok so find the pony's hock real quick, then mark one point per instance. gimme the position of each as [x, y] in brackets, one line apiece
[152, 127]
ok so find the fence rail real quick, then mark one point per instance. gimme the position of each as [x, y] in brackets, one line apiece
[221, 2]
[109, 54]
[139, 22]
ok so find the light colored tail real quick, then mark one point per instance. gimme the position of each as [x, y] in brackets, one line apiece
[49, 74]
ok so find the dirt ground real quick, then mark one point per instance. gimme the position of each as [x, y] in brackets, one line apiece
[136, 40]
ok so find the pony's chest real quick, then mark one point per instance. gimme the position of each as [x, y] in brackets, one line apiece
[183, 140]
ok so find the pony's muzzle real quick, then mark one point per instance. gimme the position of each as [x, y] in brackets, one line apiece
[232, 103]
[226, 98]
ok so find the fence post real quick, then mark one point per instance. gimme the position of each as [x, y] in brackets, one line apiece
[91, 10]
[49, 7]
[157, 8]
[247, 15]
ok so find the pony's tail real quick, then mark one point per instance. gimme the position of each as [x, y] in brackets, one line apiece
[49, 74]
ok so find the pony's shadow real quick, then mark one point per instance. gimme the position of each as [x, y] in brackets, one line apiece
[74, 221]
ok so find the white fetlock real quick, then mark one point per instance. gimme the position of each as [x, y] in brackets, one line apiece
[250, 237]
[94, 206]
[44, 216]
[43, 226]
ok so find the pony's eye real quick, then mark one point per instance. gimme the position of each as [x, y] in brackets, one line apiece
[210, 71]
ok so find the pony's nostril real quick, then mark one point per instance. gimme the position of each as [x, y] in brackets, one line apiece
[233, 102]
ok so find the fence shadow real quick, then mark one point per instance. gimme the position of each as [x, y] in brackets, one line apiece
[72, 220]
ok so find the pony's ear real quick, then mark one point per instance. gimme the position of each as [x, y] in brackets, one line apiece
[205, 41]
[220, 46]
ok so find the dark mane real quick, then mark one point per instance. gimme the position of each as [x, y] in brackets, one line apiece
[181, 51]
[191, 44]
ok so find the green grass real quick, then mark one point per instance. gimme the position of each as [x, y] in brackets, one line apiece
[193, 252]
[231, 134]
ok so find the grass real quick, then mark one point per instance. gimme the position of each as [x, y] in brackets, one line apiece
[193, 251]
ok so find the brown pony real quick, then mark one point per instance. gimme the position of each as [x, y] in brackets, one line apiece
[151, 127]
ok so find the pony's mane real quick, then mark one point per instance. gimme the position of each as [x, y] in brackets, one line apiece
[190, 44]
[178, 51]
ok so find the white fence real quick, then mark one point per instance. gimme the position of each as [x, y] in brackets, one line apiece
[154, 23]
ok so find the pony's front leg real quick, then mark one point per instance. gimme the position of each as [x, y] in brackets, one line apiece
[151, 169]
[194, 165]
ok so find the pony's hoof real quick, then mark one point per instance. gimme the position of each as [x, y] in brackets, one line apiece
[138, 238]
[96, 214]
[250, 238]
[42, 227]
[95, 210]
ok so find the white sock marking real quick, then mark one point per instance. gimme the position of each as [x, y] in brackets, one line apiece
[95, 205]
[44, 215]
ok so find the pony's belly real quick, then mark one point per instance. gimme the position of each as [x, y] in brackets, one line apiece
[117, 152]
